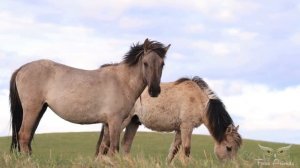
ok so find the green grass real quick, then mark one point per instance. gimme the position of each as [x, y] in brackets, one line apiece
[149, 150]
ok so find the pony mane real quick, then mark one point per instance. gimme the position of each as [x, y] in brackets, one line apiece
[218, 117]
[180, 80]
[137, 51]
[109, 64]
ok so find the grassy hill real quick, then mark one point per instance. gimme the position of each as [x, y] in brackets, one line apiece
[149, 150]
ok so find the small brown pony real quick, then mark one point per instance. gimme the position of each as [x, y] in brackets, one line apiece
[182, 106]
[105, 95]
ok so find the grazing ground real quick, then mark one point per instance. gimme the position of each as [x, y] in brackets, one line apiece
[149, 150]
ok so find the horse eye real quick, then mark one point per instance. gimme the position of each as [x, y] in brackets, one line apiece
[145, 64]
[163, 64]
[228, 148]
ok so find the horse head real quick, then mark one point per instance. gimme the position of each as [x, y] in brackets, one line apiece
[227, 149]
[152, 65]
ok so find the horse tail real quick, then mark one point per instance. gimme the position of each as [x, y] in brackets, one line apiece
[218, 117]
[16, 111]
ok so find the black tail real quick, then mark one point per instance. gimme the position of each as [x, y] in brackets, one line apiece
[218, 117]
[16, 111]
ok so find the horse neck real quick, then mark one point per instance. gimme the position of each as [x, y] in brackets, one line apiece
[210, 132]
[208, 126]
[133, 80]
[206, 123]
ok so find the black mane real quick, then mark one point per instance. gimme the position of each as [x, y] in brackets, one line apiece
[137, 50]
[218, 119]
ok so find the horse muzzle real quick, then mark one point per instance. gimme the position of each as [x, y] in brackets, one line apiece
[154, 91]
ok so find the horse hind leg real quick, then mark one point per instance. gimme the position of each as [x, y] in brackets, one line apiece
[31, 117]
[103, 141]
[174, 147]
[42, 112]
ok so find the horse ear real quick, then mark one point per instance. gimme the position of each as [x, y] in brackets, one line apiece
[145, 45]
[167, 48]
[237, 128]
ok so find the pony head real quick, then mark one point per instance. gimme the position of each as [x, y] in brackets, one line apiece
[227, 149]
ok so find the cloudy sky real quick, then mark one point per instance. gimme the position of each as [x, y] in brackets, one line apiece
[248, 51]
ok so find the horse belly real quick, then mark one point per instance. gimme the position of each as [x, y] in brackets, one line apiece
[88, 113]
[160, 122]
[158, 126]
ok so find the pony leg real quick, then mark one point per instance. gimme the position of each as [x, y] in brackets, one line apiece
[31, 118]
[174, 147]
[100, 139]
[186, 135]
[114, 127]
[105, 143]
[129, 135]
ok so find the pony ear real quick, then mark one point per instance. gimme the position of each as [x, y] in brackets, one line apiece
[237, 128]
[145, 45]
[167, 48]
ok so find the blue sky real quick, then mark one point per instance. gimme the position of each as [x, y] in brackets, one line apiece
[248, 51]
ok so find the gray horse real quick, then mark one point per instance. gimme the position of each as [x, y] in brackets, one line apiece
[182, 106]
[105, 95]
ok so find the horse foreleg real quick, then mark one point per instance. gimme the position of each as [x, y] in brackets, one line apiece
[114, 127]
[128, 137]
[174, 147]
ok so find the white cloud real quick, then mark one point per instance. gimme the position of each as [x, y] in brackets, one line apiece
[67, 44]
[217, 49]
[5, 114]
[194, 28]
[295, 38]
[224, 11]
[92, 9]
[132, 23]
[241, 35]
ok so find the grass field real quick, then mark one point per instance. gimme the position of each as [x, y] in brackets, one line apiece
[149, 150]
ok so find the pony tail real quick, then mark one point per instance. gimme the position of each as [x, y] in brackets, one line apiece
[16, 111]
[218, 117]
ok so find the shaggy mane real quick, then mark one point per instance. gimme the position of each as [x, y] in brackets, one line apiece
[137, 51]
